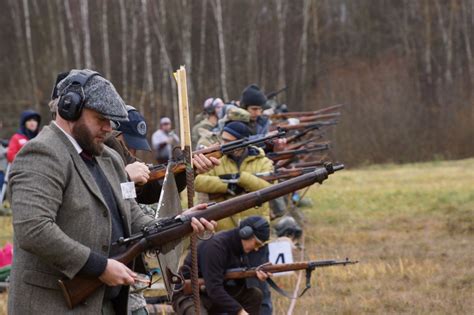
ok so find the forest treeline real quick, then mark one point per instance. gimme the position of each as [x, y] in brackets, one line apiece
[404, 68]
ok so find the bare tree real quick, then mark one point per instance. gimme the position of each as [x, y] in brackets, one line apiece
[427, 38]
[304, 49]
[160, 16]
[446, 32]
[123, 24]
[202, 45]
[73, 34]
[133, 57]
[31, 59]
[148, 71]
[18, 29]
[186, 31]
[62, 35]
[220, 34]
[105, 40]
[86, 33]
[467, 35]
[281, 15]
[55, 60]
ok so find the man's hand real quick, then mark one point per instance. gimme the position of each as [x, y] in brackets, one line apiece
[117, 273]
[138, 172]
[204, 164]
[262, 275]
[202, 224]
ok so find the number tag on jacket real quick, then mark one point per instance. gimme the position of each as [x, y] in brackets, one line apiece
[128, 190]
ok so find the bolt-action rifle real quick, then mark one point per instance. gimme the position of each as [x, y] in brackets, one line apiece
[308, 144]
[281, 173]
[321, 160]
[79, 288]
[307, 131]
[305, 125]
[275, 93]
[285, 155]
[309, 113]
[159, 171]
[285, 173]
[184, 285]
[308, 164]
[318, 117]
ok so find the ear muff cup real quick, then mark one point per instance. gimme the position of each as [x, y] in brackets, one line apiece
[70, 106]
[247, 231]
[72, 99]
[211, 109]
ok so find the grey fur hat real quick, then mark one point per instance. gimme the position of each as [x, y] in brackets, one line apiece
[100, 95]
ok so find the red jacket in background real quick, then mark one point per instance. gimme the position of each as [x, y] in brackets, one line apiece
[17, 141]
[22, 136]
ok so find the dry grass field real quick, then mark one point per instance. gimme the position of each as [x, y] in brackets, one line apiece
[411, 227]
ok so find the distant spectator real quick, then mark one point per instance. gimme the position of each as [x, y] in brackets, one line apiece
[3, 164]
[164, 140]
[29, 128]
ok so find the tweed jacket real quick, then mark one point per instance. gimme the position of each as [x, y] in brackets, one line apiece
[59, 217]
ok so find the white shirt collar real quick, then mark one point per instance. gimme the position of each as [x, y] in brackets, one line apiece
[73, 141]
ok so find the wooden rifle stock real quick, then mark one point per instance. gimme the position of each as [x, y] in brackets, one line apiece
[315, 118]
[78, 289]
[242, 273]
[309, 113]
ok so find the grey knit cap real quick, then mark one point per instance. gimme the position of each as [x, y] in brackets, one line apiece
[100, 95]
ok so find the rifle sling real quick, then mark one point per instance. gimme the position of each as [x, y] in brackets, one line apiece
[288, 294]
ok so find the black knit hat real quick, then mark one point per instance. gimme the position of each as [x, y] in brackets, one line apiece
[238, 129]
[260, 227]
[252, 96]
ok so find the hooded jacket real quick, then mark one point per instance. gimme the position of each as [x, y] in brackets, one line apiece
[210, 183]
[23, 134]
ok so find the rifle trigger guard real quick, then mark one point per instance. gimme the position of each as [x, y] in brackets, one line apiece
[263, 265]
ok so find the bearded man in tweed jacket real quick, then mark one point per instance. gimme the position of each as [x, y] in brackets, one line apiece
[68, 207]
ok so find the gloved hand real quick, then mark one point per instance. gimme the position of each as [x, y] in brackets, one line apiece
[232, 187]
[230, 178]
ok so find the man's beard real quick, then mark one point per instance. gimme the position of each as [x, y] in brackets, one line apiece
[85, 139]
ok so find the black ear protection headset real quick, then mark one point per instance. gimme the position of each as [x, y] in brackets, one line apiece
[211, 108]
[72, 99]
[246, 232]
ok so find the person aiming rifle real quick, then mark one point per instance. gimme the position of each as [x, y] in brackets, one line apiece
[254, 272]
[227, 250]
